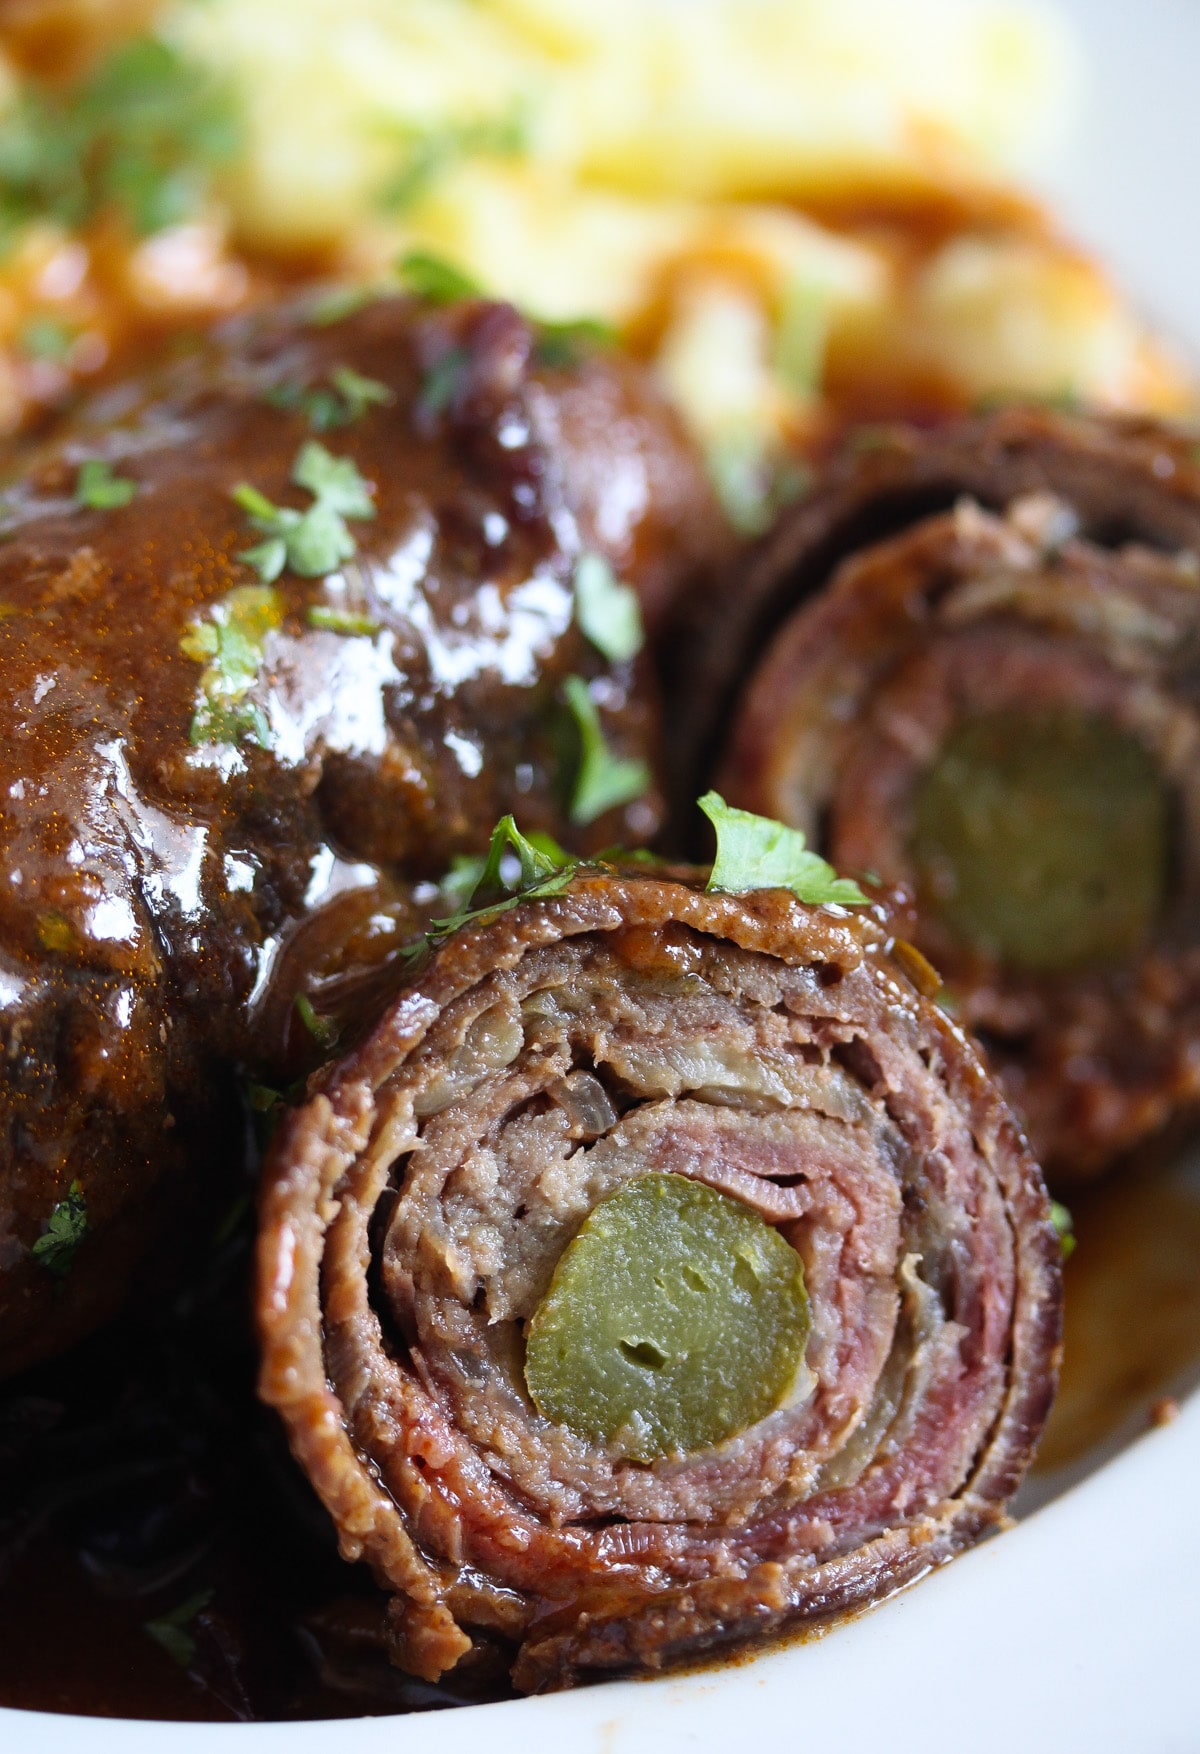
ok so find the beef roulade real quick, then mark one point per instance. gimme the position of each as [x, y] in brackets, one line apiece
[661, 1271]
[281, 632]
[970, 665]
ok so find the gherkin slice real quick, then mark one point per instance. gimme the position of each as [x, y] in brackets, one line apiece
[1044, 839]
[676, 1318]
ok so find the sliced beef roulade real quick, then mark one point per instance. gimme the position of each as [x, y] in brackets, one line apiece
[661, 1271]
[282, 631]
[971, 666]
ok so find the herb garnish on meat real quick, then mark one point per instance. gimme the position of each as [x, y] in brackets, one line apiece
[753, 852]
[97, 488]
[141, 136]
[315, 541]
[607, 610]
[229, 641]
[603, 781]
[345, 398]
[66, 1228]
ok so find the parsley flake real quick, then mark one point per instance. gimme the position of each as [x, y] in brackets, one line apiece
[607, 610]
[358, 392]
[141, 135]
[428, 152]
[66, 1228]
[444, 379]
[173, 1630]
[341, 302]
[229, 640]
[563, 344]
[47, 338]
[751, 483]
[345, 399]
[345, 621]
[603, 781]
[315, 541]
[436, 281]
[334, 480]
[517, 867]
[97, 488]
[754, 852]
[1064, 1224]
[322, 1029]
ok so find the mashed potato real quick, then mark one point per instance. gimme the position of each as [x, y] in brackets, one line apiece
[797, 209]
[709, 99]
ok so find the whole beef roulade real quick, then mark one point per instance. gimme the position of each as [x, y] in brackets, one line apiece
[661, 1271]
[970, 666]
[282, 630]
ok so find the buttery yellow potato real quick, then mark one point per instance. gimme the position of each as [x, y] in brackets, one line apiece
[646, 162]
[733, 98]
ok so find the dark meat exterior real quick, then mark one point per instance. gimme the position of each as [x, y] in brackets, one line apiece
[414, 1209]
[1031, 563]
[157, 859]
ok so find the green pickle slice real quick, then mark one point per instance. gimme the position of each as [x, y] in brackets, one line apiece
[676, 1318]
[1044, 839]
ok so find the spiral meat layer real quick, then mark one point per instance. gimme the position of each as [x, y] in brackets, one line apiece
[969, 666]
[416, 1208]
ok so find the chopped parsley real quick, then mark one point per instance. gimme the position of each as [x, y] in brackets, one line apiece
[563, 344]
[345, 621]
[262, 1097]
[322, 1029]
[66, 1228]
[607, 610]
[752, 485]
[97, 488]
[357, 392]
[1063, 1223]
[754, 852]
[438, 282]
[603, 781]
[141, 135]
[344, 399]
[444, 379]
[173, 1630]
[315, 541]
[428, 152]
[517, 867]
[341, 302]
[228, 640]
[46, 338]
[462, 879]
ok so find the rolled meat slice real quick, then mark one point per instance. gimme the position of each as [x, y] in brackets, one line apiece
[970, 666]
[661, 1271]
[282, 631]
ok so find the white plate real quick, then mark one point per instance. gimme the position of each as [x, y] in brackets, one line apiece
[1077, 1629]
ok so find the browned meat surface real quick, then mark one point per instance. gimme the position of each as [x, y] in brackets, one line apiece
[415, 1208]
[1026, 567]
[193, 760]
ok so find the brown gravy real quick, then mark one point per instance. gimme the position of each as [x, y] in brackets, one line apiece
[1132, 1310]
[110, 1520]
